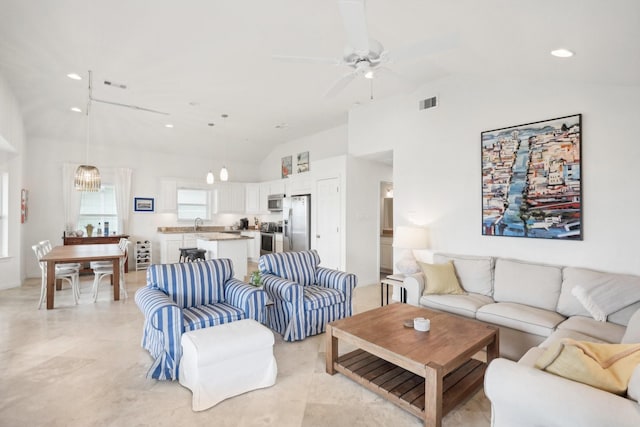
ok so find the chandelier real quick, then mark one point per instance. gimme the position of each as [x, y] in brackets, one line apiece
[87, 177]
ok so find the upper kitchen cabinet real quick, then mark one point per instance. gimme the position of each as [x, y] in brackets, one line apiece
[300, 184]
[229, 198]
[279, 186]
[168, 192]
[252, 199]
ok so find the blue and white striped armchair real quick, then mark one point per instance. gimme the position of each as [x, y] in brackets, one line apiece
[183, 297]
[305, 296]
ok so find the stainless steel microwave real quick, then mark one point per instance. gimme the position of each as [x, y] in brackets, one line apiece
[274, 202]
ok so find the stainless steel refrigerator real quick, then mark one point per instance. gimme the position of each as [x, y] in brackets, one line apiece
[297, 223]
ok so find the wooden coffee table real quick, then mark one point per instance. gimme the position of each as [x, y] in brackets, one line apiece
[425, 373]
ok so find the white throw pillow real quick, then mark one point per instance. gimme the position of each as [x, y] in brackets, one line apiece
[632, 334]
[607, 298]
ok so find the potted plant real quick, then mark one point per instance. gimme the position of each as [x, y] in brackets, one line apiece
[255, 279]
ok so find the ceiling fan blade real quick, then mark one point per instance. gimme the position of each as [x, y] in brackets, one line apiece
[341, 84]
[307, 59]
[135, 107]
[421, 49]
[355, 24]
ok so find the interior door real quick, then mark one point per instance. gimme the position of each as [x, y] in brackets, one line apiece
[328, 232]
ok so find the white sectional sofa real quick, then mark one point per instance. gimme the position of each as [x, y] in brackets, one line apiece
[534, 306]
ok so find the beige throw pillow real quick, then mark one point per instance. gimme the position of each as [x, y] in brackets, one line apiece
[440, 279]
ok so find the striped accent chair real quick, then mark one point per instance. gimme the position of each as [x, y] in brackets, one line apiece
[183, 297]
[305, 296]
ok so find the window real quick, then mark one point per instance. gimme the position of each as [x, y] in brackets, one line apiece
[99, 207]
[193, 203]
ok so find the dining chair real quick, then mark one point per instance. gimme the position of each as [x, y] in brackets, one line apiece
[106, 270]
[122, 244]
[46, 247]
[70, 275]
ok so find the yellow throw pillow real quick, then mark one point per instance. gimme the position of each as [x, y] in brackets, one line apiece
[605, 366]
[440, 279]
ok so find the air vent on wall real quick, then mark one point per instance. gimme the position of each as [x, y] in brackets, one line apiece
[425, 104]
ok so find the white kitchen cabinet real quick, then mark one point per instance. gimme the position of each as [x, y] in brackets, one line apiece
[279, 242]
[229, 197]
[278, 186]
[252, 199]
[168, 195]
[253, 245]
[386, 253]
[170, 245]
[265, 189]
[300, 184]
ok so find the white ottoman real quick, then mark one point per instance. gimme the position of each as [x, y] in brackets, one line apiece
[226, 360]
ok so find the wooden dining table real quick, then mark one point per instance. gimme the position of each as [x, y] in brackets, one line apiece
[82, 253]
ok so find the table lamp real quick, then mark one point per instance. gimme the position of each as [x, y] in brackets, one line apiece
[409, 238]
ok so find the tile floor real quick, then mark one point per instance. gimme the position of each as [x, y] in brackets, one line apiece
[83, 366]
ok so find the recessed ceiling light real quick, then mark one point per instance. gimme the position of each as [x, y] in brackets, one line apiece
[76, 110]
[168, 125]
[74, 76]
[562, 53]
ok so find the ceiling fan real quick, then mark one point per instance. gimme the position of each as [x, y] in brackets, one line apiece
[365, 55]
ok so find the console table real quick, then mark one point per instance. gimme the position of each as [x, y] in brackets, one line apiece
[96, 240]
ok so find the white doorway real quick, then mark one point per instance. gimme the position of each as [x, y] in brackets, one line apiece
[328, 232]
[386, 228]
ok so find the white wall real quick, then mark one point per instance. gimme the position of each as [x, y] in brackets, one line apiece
[44, 179]
[437, 177]
[322, 145]
[363, 217]
[12, 145]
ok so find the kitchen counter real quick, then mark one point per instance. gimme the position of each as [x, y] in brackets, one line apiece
[201, 229]
[230, 246]
[222, 236]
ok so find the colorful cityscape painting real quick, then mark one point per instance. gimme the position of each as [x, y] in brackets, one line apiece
[531, 180]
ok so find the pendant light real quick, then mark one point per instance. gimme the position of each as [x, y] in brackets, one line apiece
[210, 178]
[224, 173]
[87, 177]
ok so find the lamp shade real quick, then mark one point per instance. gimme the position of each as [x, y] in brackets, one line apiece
[224, 174]
[410, 238]
[210, 178]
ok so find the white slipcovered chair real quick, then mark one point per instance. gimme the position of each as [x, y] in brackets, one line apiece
[102, 269]
[68, 274]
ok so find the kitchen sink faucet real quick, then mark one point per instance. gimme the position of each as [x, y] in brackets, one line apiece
[196, 222]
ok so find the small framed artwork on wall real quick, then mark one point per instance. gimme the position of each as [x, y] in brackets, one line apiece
[303, 162]
[286, 166]
[143, 204]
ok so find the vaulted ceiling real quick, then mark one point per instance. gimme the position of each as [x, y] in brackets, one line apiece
[199, 59]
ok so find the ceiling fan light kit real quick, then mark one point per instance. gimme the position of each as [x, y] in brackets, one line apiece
[87, 177]
[366, 56]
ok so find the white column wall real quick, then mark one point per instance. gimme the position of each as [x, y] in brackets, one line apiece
[437, 177]
[12, 157]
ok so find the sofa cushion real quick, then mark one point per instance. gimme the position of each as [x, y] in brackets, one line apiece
[622, 317]
[205, 316]
[475, 273]
[463, 305]
[318, 297]
[190, 284]
[605, 366]
[632, 333]
[531, 356]
[536, 285]
[521, 317]
[559, 334]
[604, 331]
[608, 297]
[569, 305]
[440, 279]
[299, 267]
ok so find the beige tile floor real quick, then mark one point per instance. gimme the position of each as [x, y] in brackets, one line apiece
[83, 366]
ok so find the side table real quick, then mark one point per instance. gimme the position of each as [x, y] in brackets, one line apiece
[393, 280]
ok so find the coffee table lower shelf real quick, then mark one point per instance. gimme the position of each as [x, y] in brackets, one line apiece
[406, 389]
